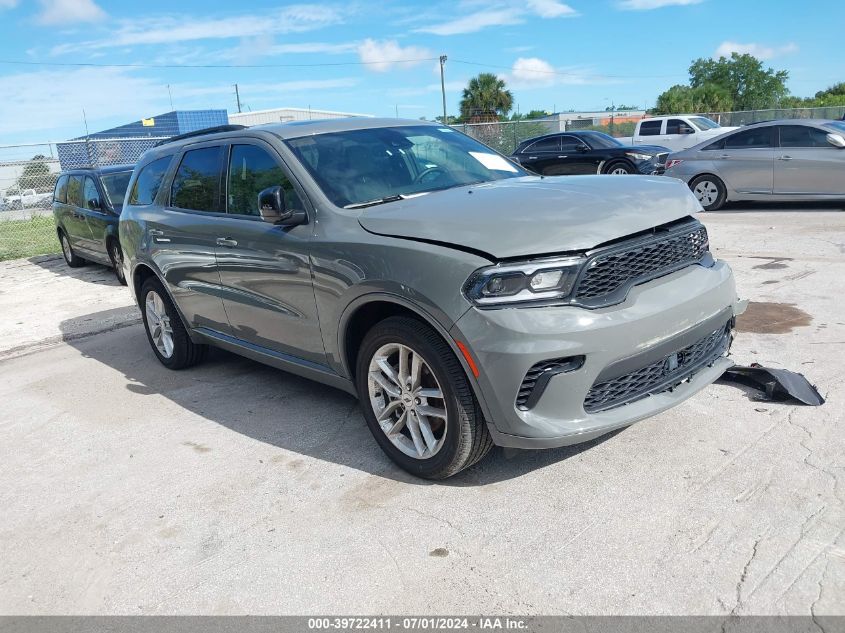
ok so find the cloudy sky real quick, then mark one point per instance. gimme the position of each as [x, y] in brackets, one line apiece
[115, 60]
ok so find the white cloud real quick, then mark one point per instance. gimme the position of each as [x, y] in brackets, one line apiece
[551, 8]
[65, 12]
[8, 4]
[645, 5]
[759, 51]
[383, 55]
[175, 28]
[475, 22]
[533, 70]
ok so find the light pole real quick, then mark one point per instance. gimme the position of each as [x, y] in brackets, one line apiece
[443, 89]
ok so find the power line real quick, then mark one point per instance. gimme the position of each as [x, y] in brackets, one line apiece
[96, 65]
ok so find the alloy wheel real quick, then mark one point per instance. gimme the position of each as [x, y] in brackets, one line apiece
[407, 400]
[158, 324]
[619, 171]
[66, 248]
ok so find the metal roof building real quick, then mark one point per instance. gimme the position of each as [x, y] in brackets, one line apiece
[284, 115]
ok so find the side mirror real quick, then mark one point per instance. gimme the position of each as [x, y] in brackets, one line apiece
[93, 203]
[582, 148]
[687, 130]
[271, 208]
[837, 140]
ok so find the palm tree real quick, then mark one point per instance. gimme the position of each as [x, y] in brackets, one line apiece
[485, 98]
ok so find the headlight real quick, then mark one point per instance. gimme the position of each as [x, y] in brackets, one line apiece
[540, 280]
[638, 156]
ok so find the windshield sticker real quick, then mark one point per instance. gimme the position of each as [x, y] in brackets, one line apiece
[492, 161]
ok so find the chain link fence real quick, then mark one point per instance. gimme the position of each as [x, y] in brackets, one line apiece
[28, 174]
[505, 136]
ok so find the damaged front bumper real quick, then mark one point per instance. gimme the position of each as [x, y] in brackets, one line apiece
[610, 367]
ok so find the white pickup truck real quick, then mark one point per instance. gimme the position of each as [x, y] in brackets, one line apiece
[676, 132]
[28, 198]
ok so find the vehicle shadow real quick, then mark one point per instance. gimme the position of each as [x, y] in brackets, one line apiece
[91, 272]
[276, 408]
[780, 207]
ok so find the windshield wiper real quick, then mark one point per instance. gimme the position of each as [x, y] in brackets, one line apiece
[372, 203]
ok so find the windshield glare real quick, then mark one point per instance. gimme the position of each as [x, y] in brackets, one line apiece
[116, 185]
[600, 140]
[359, 166]
[839, 126]
[703, 123]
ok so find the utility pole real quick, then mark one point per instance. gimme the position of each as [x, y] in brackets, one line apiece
[238, 97]
[443, 89]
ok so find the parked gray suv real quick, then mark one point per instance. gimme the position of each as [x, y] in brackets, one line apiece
[464, 301]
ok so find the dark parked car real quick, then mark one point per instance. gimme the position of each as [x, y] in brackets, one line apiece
[588, 152]
[390, 259]
[87, 205]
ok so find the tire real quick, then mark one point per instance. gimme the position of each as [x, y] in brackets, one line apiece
[162, 318]
[116, 257]
[71, 258]
[619, 168]
[452, 443]
[710, 192]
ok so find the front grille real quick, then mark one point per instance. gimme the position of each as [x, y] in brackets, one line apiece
[612, 272]
[659, 376]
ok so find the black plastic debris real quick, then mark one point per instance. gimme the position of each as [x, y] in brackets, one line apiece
[777, 385]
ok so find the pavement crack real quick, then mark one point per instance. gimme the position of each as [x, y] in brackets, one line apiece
[744, 575]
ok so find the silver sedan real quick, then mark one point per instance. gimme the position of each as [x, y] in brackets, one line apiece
[789, 160]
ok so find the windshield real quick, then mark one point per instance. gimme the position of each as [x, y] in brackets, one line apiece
[116, 185]
[839, 126]
[703, 123]
[370, 166]
[600, 140]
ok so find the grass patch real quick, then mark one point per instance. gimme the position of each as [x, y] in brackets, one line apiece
[25, 238]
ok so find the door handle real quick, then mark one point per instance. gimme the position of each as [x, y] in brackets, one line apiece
[563, 156]
[724, 156]
[158, 236]
[785, 158]
[227, 242]
[532, 158]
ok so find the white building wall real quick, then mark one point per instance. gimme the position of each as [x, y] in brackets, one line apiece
[284, 115]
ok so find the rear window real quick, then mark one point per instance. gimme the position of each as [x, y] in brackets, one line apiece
[60, 195]
[650, 128]
[149, 181]
[196, 185]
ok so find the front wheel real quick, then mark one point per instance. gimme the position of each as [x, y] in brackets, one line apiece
[709, 191]
[417, 400]
[71, 258]
[619, 169]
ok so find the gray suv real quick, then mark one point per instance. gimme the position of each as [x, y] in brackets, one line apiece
[464, 301]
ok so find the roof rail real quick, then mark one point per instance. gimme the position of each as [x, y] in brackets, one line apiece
[202, 132]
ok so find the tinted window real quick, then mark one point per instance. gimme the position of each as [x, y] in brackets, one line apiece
[802, 136]
[251, 170]
[91, 195]
[196, 185]
[60, 194]
[757, 138]
[650, 128]
[545, 145]
[115, 185]
[570, 143]
[677, 126]
[148, 181]
[703, 123]
[74, 191]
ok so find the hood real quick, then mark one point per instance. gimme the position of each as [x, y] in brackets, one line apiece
[529, 216]
[648, 149]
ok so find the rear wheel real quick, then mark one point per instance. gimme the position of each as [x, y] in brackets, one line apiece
[417, 400]
[116, 257]
[709, 191]
[165, 332]
[71, 258]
